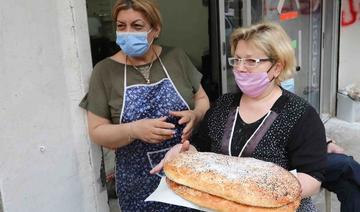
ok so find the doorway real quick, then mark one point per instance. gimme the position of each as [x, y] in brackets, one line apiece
[189, 32]
[302, 20]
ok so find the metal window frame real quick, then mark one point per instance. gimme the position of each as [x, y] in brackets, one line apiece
[246, 17]
[222, 37]
[329, 57]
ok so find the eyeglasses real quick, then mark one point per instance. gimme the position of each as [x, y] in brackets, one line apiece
[247, 62]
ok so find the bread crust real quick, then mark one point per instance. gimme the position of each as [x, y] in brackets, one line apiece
[219, 204]
[247, 181]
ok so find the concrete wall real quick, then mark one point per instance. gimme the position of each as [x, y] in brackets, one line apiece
[349, 70]
[47, 162]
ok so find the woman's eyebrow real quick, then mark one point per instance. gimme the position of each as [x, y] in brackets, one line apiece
[138, 20]
[245, 56]
[118, 21]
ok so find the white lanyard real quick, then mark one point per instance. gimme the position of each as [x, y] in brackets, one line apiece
[233, 127]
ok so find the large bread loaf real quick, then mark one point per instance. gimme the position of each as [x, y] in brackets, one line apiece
[220, 204]
[246, 181]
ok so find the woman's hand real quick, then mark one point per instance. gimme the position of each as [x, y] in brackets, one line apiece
[333, 148]
[152, 130]
[309, 185]
[187, 117]
[171, 154]
[191, 117]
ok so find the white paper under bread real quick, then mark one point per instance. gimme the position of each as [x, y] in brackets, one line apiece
[164, 194]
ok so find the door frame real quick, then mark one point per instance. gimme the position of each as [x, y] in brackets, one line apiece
[329, 57]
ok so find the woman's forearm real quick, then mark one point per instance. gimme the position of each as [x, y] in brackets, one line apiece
[309, 185]
[109, 135]
[201, 104]
[112, 136]
[200, 109]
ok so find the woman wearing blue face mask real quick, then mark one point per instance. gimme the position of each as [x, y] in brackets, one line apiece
[264, 121]
[142, 101]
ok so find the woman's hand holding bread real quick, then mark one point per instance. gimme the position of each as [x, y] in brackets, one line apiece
[172, 153]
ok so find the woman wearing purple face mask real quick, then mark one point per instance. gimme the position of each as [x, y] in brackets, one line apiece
[142, 101]
[263, 120]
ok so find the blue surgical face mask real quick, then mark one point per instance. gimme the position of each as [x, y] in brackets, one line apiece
[289, 85]
[133, 44]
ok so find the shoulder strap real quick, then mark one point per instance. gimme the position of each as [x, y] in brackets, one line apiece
[228, 128]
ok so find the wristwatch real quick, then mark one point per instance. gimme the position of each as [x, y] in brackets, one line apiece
[330, 141]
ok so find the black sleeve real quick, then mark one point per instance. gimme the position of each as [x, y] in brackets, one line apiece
[200, 137]
[307, 147]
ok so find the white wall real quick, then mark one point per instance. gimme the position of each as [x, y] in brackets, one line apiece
[349, 55]
[46, 160]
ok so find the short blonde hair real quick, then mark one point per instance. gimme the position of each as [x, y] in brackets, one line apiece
[271, 39]
[147, 7]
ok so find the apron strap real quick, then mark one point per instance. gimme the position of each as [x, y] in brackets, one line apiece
[228, 129]
[259, 134]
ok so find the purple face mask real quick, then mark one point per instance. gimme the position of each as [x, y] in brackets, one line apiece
[252, 84]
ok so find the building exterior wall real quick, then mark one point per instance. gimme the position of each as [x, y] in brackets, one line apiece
[47, 162]
[349, 70]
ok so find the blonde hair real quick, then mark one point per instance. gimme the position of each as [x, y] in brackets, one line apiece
[273, 41]
[147, 7]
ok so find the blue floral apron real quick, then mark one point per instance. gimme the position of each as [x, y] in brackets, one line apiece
[134, 161]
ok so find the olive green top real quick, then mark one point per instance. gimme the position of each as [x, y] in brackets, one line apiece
[106, 89]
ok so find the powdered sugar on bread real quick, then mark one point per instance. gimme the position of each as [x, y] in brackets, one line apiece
[243, 180]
